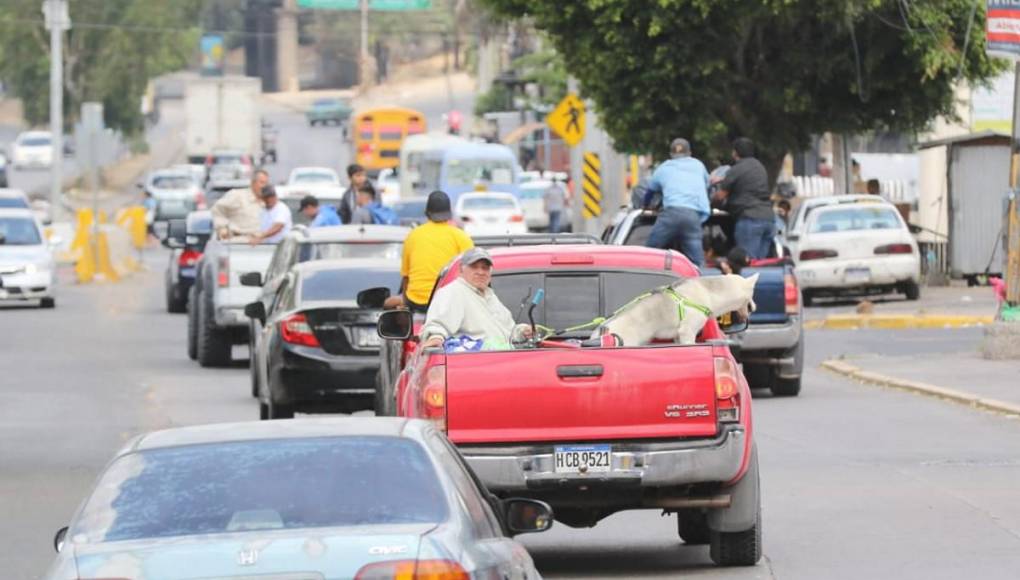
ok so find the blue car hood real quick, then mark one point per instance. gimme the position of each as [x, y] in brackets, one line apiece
[306, 554]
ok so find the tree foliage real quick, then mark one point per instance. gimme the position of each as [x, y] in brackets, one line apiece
[112, 50]
[544, 69]
[777, 71]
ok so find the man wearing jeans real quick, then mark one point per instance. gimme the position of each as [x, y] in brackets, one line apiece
[746, 192]
[683, 182]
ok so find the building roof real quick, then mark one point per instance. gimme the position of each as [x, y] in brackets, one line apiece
[990, 137]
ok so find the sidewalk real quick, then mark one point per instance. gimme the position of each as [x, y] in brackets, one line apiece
[939, 307]
[964, 377]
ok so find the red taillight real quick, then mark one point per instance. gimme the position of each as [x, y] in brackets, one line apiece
[894, 249]
[516, 218]
[246, 160]
[199, 199]
[365, 148]
[727, 390]
[296, 330]
[817, 254]
[572, 259]
[791, 293]
[413, 570]
[223, 276]
[188, 258]
[209, 160]
[433, 396]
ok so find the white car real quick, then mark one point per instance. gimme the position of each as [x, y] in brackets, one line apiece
[533, 203]
[484, 214]
[388, 186]
[313, 177]
[175, 192]
[808, 205]
[33, 149]
[863, 248]
[27, 270]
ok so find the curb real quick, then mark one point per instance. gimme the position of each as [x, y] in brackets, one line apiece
[971, 400]
[897, 321]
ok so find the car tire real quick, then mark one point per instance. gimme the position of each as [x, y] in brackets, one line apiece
[174, 304]
[737, 548]
[213, 346]
[192, 324]
[48, 302]
[263, 411]
[785, 387]
[692, 527]
[807, 298]
[253, 364]
[277, 411]
[912, 290]
[383, 404]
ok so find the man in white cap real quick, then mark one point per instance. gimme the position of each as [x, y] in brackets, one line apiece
[468, 306]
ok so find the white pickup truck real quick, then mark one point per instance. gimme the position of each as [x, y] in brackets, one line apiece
[216, 302]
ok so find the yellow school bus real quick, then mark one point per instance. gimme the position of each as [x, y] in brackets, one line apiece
[377, 135]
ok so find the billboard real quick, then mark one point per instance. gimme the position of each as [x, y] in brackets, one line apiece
[1002, 28]
[212, 55]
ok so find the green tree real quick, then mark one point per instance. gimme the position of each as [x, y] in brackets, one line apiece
[543, 68]
[777, 71]
[111, 52]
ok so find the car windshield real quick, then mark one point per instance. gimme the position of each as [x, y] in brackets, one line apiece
[16, 231]
[477, 203]
[16, 202]
[36, 141]
[172, 182]
[314, 177]
[342, 250]
[410, 209]
[466, 172]
[854, 218]
[326, 103]
[263, 485]
[324, 285]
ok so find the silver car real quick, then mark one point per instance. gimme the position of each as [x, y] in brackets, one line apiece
[302, 499]
[175, 192]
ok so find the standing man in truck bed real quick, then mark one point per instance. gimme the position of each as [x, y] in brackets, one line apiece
[239, 211]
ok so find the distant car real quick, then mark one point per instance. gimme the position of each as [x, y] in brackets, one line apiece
[239, 161]
[33, 150]
[329, 498]
[184, 256]
[175, 192]
[318, 351]
[230, 172]
[3, 170]
[291, 196]
[328, 112]
[388, 186]
[217, 188]
[314, 176]
[490, 214]
[533, 203]
[13, 199]
[411, 211]
[27, 269]
[859, 248]
[799, 218]
[196, 171]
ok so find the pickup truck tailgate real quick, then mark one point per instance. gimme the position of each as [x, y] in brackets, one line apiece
[578, 395]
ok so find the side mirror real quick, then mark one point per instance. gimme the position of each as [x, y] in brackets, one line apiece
[252, 279]
[733, 323]
[373, 298]
[256, 311]
[915, 229]
[525, 516]
[58, 539]
[395, 324]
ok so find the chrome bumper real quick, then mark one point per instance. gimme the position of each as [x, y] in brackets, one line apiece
[518, 468]
[771, 336]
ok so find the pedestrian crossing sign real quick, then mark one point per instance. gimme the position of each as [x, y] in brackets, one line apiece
[567, 119]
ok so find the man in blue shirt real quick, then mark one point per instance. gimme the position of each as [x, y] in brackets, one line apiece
[683, 182]
[321, 216]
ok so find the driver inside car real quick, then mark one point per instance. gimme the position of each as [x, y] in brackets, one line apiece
[469, 307]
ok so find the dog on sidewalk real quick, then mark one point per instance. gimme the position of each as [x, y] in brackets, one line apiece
[679, 311]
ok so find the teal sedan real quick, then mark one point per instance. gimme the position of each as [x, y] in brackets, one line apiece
[328, 112]
[308, 499]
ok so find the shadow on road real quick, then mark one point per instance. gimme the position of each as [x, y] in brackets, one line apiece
[658, 560]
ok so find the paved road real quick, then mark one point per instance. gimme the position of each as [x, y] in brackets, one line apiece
[859, 482]
[30, 180]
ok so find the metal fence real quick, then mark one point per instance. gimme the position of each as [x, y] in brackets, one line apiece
[895, 191]
[934, 263]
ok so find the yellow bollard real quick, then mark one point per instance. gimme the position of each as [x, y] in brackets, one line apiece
[85, 266]
[139, 229]
[83, 231]
[103, 264]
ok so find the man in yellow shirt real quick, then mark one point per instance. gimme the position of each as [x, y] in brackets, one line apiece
[427, 249]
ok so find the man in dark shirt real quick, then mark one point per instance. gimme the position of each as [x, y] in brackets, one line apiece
[349, 202]
[745, 189]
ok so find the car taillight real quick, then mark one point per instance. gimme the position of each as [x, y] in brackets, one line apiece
[817, 254]
[894, 249]
[296, 330]
[433, 396]
[199, 199]
[188, 258]
[791, 293]
[517, 218]
[223, 276]
[727, 390]
[413, 570]
[365, 148]
[246, 160]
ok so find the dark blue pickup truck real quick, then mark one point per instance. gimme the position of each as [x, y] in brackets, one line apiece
[772, 348]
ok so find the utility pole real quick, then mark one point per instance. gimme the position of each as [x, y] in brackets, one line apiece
[364, 45]
[57, 21]
[287, 46]
[576, 176]
[1012, 216]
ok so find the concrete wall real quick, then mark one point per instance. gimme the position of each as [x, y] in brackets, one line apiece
[932, 202]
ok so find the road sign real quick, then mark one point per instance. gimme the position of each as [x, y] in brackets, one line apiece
[382, 5]
[592, 186]
[212, 55]
[1002, 28]
[567, 119]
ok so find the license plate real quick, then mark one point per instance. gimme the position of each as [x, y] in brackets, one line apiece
[188, 272]
[491, 220]
[583, 459]
[367, 337]
[3, 294]
[857, 275]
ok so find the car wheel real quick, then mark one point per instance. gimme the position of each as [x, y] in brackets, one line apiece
[807, 297]
[277, 411]
[213, 345]
[253, 365]
[192, 324]
[383, 404]
[737, 548]
[785, 387]
[263, 411]
[912, 290]
[692, 527]
[48, 302]
[175, 304]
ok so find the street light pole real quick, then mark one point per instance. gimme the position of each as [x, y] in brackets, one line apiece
[364, 44]
[57, 21]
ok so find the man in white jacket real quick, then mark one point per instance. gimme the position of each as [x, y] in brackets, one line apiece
[468, 306]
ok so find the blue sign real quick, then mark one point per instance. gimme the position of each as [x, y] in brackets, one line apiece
[212, 55]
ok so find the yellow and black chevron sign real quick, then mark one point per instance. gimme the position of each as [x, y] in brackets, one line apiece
[592, 186]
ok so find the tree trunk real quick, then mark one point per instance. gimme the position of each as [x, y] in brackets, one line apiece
[842, 181]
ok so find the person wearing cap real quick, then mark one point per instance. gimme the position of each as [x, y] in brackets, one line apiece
[318, 215]
[469, 307]
[427, 249]
[683, 183]
[239, 211]
[276, 218]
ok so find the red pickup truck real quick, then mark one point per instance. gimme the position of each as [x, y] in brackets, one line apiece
[596, 430]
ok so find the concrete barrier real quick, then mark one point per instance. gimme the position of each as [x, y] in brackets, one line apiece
[107, 252]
